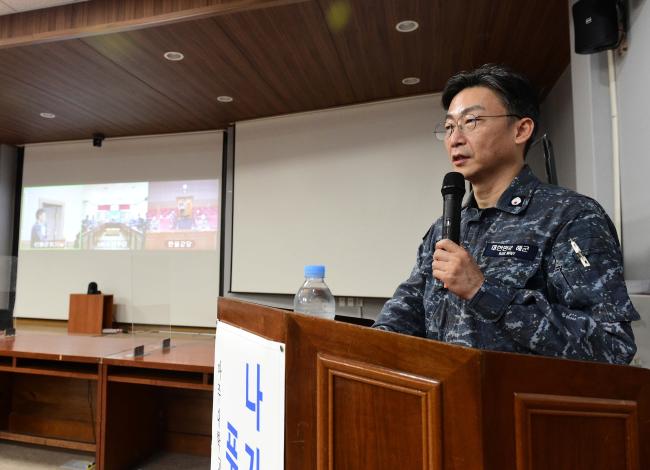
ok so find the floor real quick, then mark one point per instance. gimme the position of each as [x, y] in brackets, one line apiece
[21, 457]
[27, 457]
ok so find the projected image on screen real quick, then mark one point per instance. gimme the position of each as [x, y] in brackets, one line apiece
[167, 215]
[182, 215]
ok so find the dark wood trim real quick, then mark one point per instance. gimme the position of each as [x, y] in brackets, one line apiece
[102, 414]
[46, 441]
[160, 383]
[253, 318]
[50, 373]
[112, 23]
[571, 408]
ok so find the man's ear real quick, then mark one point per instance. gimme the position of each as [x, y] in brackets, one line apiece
[524, 129]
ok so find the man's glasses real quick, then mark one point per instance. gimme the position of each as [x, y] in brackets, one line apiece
[465, 124]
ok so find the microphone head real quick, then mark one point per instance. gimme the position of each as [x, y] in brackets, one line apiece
[453, 183]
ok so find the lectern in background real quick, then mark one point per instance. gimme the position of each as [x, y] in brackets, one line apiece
[90, 313]
[358, 398]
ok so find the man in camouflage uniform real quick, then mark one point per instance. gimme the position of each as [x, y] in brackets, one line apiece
[538, 269]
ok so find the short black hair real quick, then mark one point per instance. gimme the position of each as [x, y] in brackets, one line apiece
[39, 212]
[516, 92]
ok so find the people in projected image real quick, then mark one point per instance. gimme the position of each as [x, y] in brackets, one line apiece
[154, 224]
[202, 222]
[141, 223]
[184, 206]
[39, 229]
[185, 223]
[172, 219]
[87, 224]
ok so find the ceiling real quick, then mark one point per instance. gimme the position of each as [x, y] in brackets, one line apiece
[273, 58]
[12, 6]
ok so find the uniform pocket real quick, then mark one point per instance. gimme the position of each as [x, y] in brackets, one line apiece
[579, 292]
[583, 266]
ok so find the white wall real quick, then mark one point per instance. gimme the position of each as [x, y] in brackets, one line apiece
[557, 121]
[633, 72]
[592, 127]
[594, 149]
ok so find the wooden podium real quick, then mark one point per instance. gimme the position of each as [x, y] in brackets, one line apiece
[358, 398]
[90, 313]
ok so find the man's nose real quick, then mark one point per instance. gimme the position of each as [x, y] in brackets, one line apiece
[456, 138]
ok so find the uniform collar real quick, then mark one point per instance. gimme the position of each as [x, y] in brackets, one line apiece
[516, 197]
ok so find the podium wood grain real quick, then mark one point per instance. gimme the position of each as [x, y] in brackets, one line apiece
[90, 313]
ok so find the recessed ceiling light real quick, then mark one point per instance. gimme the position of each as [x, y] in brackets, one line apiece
[407, 26]
[173, 56]
[411, 81]
[48, 115]
[224, 99]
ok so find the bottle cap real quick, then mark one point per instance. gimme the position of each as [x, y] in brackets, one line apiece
[315, 270]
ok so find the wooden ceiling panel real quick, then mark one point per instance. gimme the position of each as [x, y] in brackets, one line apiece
[213, 66]
[77, 75]
[537, 44]
[20, 119]
[292, 49]
[375, 56]
[272, 56]
[452, 36]
[97, 17]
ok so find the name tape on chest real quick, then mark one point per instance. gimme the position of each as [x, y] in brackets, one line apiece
[511, 250]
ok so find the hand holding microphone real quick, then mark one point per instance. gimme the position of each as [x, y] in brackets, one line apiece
[452, 264]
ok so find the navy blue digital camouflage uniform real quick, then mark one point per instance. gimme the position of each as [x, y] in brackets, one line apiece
[553, 280]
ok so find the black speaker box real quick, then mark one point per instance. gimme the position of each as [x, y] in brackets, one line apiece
[6, 319]
[596, 25]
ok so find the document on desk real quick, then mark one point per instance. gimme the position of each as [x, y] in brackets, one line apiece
[248, 407]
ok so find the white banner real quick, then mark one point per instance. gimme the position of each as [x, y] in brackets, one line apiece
[248, 407]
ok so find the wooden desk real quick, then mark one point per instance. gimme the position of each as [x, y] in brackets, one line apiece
[90, 394]
[49, 389]
[160, 401]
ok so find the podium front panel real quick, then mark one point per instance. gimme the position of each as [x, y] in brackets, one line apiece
[364, 398]
[367, 413]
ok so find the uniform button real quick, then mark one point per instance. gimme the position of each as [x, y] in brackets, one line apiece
[516, 201]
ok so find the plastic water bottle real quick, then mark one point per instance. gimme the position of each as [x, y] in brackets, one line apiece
[314, 297]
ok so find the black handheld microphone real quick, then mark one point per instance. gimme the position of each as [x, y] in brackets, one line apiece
[453, 190]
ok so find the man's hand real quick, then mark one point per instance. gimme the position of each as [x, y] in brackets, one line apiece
[456, 268]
